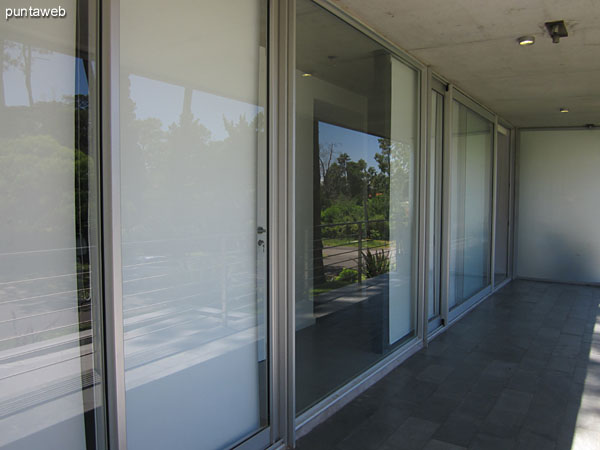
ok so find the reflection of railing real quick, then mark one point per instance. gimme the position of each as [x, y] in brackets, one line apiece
[42, 297]
[202, 295]
[339, 246]
[214, 276]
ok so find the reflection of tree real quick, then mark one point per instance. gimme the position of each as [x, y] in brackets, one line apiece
[401, 160]
[401, 163]
[29, 166]
[352, 191]
[35, 156]
[46, 145]
[20, 56]
[326, 153]
[175, 175]
[358, 195]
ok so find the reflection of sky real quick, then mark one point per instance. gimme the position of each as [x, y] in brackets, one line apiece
[164, 101]
[210, 109]
[55, 75]
[357, 144]
[157, 99]
[52, 77]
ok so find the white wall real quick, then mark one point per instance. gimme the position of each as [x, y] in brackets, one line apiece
[558, 224]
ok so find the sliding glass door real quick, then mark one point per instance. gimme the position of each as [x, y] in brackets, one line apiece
[194, 222]
[470, 172]
[356, 178]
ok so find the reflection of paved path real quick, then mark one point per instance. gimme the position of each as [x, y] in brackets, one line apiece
[344, 297]
[340, 257]
[337, 258]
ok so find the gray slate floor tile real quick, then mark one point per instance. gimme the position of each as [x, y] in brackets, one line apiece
[440, 445]
[412, 435]
[514, 374]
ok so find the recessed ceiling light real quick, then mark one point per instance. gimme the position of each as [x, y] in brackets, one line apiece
[564, 110]
[307, 74]
[526, 40]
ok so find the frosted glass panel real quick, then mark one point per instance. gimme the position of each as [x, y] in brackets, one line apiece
[356, 167]
[403, 169]
[193, 190]
[470, 204]
[559, 192]
[502, 207]
[50, 317]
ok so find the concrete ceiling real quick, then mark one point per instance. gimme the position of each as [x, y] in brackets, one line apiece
[323, 50]
[472, 43]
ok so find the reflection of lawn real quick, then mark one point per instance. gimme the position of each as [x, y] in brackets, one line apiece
[329, 286]
[366, 243]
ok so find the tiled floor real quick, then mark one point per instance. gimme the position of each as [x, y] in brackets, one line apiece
[522, 371]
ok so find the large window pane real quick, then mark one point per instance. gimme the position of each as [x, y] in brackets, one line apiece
[50, 318]
[193, 190]
[356, 141]
[470, 204]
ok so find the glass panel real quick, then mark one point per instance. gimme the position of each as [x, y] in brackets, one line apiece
[50, 318]
[193, 192]
[470, 204]
[502, 208]
[435, 169]
[356, 141]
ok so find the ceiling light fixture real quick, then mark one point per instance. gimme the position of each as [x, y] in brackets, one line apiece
[526, 40]
[307, 74]
[564, 110]
[557, 30]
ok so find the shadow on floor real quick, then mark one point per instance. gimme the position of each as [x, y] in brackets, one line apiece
[521, 371]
